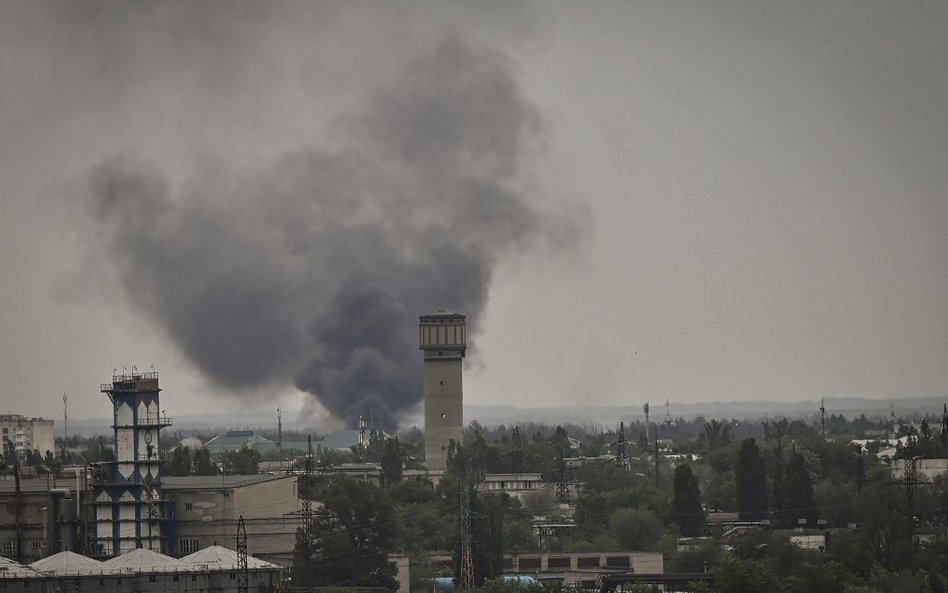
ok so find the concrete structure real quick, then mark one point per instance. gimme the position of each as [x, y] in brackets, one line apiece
[27, 434]
[206, 510]
[443, 339]
[129, 511]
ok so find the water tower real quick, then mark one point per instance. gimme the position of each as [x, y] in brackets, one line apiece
[129, 508]
[443, 339]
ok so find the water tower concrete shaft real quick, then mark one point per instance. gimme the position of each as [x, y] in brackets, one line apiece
[443, 339]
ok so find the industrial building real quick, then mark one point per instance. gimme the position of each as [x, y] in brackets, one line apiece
[141, 570]
[443, 339]
[27, 434]
[206, 509]
[573, 569]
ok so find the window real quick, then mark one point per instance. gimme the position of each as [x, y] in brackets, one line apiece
[189, 506]
[151, 578]
[9, 548]
[188, 545]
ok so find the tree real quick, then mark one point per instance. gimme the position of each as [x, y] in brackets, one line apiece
[751, 480]
[243, 461]
[203, 466]
[732, 575]
[799, 490]
[716, 434]
[635, 529]
[179, 464]
[391, 462]
[686, 509]
[350, 538]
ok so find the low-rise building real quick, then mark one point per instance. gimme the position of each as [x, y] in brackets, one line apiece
[513, 484]
[235, 440]
[207, 508]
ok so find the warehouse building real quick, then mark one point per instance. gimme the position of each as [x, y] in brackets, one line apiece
[140, 570]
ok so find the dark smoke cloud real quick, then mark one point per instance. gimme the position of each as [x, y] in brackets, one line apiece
[315, 268]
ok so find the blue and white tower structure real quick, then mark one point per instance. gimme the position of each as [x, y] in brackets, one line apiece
[129, 510]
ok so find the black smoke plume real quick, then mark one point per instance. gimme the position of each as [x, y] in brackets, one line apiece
[314, 269]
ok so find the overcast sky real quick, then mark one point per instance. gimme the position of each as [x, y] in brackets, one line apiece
[693, 201]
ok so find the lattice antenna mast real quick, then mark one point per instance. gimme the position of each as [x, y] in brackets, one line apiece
[656, 456]
[279, 431]
[944, 426]
[562, 484]
[622, 455]
[822, 418]
[362, 426]
[645, 407]
[243, 585]
[467, 539]
[65, 426]
[306, 508]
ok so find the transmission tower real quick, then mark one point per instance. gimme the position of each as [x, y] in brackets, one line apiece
[944, 427]
[467, 560]
[823, 419]
[242, 582]
[362, 426]
[306, 509]
[645, 407]
[622, 456]
[562, 484]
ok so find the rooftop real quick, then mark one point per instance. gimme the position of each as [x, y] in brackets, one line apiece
[217, 557]
[215, 482]
[68, 563]
[143, 560]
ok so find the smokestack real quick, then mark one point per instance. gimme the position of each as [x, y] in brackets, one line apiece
[309, 271]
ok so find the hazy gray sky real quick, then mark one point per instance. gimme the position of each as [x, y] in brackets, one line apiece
[635, 201]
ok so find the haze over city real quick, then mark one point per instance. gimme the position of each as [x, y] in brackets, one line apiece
[631, 201]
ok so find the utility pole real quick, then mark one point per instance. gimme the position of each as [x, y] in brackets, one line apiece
[823, 419]
[645, 407]
[242, 582]
[65, 427]
[562, 484]
[944, 427]
[656, 454]
[622, 456]
[362, 426]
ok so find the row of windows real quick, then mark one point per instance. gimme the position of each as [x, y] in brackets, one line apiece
[188, 545]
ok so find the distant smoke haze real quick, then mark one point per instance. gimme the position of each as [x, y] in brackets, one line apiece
[313, 269]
